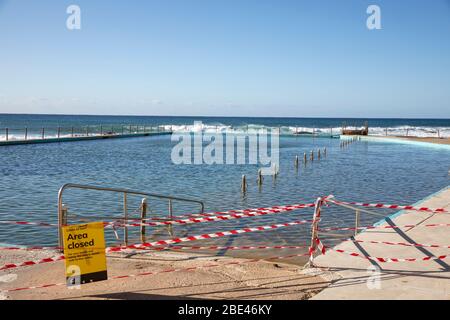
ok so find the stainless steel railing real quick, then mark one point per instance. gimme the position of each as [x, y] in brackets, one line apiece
[26, 134]
[62, 208]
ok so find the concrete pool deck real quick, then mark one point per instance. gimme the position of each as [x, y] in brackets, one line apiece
[355, 278]
[244, 281]
[440, 143]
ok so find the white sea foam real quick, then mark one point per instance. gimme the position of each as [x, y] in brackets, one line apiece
[443, 132]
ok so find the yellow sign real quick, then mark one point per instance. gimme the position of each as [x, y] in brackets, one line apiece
[84, 251]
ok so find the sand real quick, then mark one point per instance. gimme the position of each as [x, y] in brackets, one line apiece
[250, 280]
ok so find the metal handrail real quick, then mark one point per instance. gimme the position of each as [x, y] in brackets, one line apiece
[61, 211]
[79, 131]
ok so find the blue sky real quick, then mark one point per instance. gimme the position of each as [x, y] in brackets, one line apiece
[233, 58]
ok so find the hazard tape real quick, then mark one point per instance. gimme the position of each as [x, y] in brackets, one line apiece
[206, 236]
[400, 243]
[29, 248]
[212, 265]
[320, 246]
[167, 242]
[387, 227]
[215, 216]
[379, 259]
[388, 206]
[215, 248]
[31, 263]
[41, 224]
[251, 213]
[218, 213]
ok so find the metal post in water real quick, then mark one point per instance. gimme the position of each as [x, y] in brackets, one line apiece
[324, 152]
[318, 154]
[296, 162]
[59, 132]
[244, 184]
[304, 158]
[87, 131]
[72, 132]
[143, 216]
[260, 178]
[6, 134]
[43, 133]
[26, 133]
[275, 171]
[312, 155]
[101, 130]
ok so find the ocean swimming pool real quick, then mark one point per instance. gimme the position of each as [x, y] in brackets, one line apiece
[365, 171]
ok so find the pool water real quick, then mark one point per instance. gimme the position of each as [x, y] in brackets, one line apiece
[364, 171]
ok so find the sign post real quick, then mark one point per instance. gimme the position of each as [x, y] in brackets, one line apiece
[84, 249]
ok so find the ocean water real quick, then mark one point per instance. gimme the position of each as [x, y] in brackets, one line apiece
[31, 175]
[16, 124]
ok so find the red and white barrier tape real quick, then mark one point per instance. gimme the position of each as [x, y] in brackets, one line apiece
[219, 213]
[212, 265]
[388, 206]
[167, 242]
[206, 236]
[400, 243]
[30, 248]
[31, 263]
[251, 213]
[216, 248]
[388, 227]
[41, 224]
[320, 246]
[379, 259]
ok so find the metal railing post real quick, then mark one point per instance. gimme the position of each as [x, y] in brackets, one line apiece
[101, 130]
[59, 132]
[26, 133]
[72, 132]
[170, 228]
[6, 133]
[63, 212]
[43, 133]
[125, 218]
[356, 221]
[143, 216]
[60, 217]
